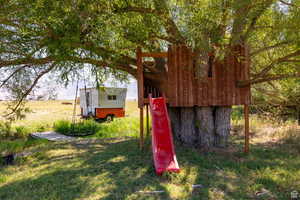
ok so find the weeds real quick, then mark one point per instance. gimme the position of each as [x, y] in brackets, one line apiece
[18, 145]
[86, 127]
[7, 131]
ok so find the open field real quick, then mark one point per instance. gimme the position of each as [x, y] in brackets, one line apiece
[44, 113]
[98, 167]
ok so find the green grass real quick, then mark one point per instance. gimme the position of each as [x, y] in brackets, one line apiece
[53, 115]
[128, 126]
[107, 165]
[116, 169]
[83, 128]
[19, 145]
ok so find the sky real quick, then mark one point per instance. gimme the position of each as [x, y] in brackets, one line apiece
[69, 92]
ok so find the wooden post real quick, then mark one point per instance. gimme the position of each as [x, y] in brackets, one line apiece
[147, 119]
[141, 128]
[298, 115]
[140, 81]
[140, 77]
[246, 116]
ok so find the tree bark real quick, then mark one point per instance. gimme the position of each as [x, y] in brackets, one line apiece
[222, 125]
[201, 127]
[205, 126]
[174, 114]
[188, 132]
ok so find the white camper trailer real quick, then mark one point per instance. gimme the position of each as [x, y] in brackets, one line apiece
[103, 103]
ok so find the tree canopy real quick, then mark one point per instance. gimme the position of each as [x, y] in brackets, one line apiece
[39, 37]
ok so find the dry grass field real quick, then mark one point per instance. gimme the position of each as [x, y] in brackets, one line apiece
[43, 114]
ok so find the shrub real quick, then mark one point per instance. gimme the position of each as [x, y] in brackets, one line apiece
[86, 127]
[237, 113]
[62, 126]
[5, 129]
[21, 132]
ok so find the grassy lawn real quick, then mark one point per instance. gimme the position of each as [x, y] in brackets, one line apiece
[44, 115]
[116, 169]
[94, 168]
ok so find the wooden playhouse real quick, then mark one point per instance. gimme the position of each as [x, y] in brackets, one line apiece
[184, 89]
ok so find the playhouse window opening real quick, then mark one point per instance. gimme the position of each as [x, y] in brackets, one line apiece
[210, 66]
[112, 97]
[210, 74]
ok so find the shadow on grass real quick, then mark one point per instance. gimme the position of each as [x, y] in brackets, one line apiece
[109, 169]
[235, 175]
[112, 171]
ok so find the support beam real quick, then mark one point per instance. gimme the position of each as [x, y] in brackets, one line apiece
[140, 77]
[298, 115]
[141, 128]
[147, 120]
[246, 116]
[155, 55]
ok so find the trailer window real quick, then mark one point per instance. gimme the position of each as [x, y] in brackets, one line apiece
[112, 97]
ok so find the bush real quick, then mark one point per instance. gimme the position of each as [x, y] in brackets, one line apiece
[62, 126]
[5, 129]
[21, 132]
[9, 132]
[86, 127]
[237, 113]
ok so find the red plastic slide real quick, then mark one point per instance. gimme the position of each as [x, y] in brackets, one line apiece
[162, 142]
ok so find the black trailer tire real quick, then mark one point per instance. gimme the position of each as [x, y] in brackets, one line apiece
[109, 118]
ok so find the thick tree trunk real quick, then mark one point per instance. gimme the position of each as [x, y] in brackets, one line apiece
[205, 126]
[222, 125]
[188, 132]
[174, 114]
[201, 127]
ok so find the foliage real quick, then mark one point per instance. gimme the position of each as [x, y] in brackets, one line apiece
[124, 127]
[5, 129]
[128, 126]
[61, 37]
[237, 113]
[18, 145]
[9, 131]
[83, 128]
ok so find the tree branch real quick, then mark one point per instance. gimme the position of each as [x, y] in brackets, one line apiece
[254, 53]
[12, 74]
[120, 66]
[26, 61]
[162, 12]
[277, 61]
[266, 79]
[288, 4]
[27, 92]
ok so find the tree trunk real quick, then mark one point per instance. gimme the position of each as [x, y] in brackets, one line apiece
[205, 126]
[174, 114]
[222, 125]
[201, 127]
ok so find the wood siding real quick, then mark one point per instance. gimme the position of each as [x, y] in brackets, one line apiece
[186, 89]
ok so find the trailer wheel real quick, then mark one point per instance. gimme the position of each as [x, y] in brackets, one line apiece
[109, 118]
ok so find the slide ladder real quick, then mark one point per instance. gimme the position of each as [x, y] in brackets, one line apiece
[162, 143]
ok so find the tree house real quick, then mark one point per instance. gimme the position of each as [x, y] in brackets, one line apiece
[184, 88]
